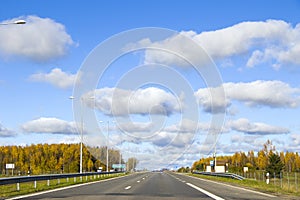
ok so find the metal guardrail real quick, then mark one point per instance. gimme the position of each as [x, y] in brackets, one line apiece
[23, 179]
[220, 174]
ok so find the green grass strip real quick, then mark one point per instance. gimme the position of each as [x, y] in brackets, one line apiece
[29, 187]
[256, 185]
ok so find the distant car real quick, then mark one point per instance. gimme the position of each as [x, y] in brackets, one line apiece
[157, 170]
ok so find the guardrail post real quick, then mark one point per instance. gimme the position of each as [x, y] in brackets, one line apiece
[281, 177]
[74, 179]
[86, 177]
[80, 178]
[288, 179]
[296, 182]
[67, 179]
[34, 184]
[18, 186]
[48, 182]
[58, 181]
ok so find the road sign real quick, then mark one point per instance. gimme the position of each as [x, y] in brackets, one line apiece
[118, 166]
[10, 166]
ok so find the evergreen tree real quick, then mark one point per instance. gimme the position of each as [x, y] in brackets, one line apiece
[275, 165]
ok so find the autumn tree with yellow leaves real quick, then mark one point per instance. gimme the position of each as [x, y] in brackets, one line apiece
[254, 161]
[54, 158]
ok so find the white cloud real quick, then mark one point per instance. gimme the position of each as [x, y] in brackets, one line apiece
[175, 50]
[40, 39]
[120, 102]
[50, 125]
[133, 127]
[256, 58]
[164, 139]
[295, 139]
[256, 128]
[271, 40]
[65, 139]
[161, 155]
[266, 93]
[5, 132]
[56, 77]
[213, 105]
[273, 94]
[239, 38]
[186, 125]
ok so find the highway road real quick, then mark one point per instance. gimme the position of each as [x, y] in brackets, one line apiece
[153, 185]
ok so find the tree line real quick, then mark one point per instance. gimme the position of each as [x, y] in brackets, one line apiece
[55, 158]
[266, 159]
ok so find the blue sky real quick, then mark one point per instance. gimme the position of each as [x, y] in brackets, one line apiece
[253, 45]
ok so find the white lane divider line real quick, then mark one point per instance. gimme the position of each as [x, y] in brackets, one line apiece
[235, 187]
[205, 192]
[138, 181]
[128, 187]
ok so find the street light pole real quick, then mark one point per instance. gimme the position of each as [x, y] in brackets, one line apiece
[120, 155]
[81, 130]
[107, 155]
[107, 146]
[81, 133]
[120, 161]
[15, 22]
[81, 136]
[215, 156]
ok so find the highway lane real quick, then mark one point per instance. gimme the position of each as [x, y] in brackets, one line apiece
[152, 185]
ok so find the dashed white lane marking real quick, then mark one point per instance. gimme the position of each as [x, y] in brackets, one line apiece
[144, 178]
[205, 192]
[128, 187]
[138, 181]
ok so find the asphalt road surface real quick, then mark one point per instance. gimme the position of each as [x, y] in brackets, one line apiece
[153, 185]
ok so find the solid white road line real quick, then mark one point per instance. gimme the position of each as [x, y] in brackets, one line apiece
[128, 187]
[205, 192]
[235, 187]
[199, 189]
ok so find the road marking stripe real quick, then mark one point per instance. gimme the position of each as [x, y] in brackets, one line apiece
[138, 181]
[128, 187]
[205, 192]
